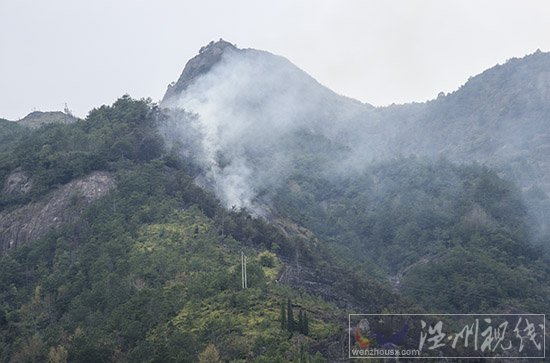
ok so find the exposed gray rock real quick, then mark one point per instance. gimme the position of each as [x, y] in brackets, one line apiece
[200, 64]
[62, 207]
[17, 183]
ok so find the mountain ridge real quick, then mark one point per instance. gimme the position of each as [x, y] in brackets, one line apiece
[38, 118]
[372, 211]
[210, 56]
[495, 117]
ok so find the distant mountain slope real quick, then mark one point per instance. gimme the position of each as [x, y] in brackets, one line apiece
[500, 117]
[38, 118]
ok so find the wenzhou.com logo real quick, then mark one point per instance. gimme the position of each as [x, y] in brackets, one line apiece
[504, 336]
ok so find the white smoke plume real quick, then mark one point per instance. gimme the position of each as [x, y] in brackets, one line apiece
[251, 109]
[247, 107]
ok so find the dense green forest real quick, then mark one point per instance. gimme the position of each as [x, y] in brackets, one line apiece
[454, 238]
[124, 235]
[151, 271]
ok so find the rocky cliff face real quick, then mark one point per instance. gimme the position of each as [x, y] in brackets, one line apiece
[200, 64]
[62, 207]
[17, 183]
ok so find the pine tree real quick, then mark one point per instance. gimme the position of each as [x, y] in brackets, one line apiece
[303, 354]
[291, 324]
[283, 316]
[306, 324]
[301, 321]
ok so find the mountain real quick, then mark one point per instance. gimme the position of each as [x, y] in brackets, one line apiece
[253, 101]
[199, 65]
[499, 117]
[242, 105]
[401, 192]
[122, 234]
[38, 118]
[111, 252]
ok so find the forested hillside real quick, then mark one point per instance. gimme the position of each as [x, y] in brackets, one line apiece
[499, 118]
[151, 270]
[454, 238]
[123, 234]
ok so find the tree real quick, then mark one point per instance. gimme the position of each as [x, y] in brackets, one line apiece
[291, 324]
[283, 316]
[210, 354]
[31, 351]
[301, 321]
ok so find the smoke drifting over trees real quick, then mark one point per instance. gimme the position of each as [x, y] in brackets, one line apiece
[247, 110]
[252, 117]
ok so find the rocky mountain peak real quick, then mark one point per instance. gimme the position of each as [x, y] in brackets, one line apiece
[208, 56]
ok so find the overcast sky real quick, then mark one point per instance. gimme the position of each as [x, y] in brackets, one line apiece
[89, 53]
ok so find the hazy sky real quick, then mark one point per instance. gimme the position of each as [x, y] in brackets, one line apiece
[89, 53]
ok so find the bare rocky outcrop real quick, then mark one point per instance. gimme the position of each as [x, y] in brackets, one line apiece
[17, 183]
[208, 56]
[62, 207]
